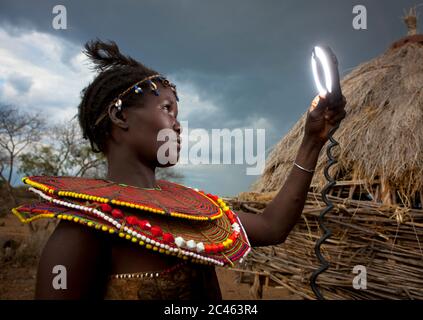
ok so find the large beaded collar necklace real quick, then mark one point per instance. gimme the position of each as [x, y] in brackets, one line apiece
[171, 219]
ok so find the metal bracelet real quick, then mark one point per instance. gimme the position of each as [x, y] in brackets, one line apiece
[302, 168]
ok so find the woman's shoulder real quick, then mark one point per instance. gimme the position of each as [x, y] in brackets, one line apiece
[76, 234]
[74, 245]
[78, 257]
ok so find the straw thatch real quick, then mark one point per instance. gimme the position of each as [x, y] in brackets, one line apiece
[378, 218]
[381, 137]
[410, 20]
[386, 240]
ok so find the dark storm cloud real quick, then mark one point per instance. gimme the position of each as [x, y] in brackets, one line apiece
[263, 45]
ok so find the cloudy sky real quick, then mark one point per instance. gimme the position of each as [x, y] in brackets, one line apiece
[237, 64]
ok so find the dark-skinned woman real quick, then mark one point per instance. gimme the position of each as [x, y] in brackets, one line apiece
[130, 236]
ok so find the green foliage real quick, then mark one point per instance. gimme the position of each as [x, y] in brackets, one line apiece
[64, 153]
[41, 162]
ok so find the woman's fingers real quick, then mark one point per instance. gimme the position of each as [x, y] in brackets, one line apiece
[337, 104]
[334, 117]
[332, 112]
[322, 104]
[337, 119]
[319, 104]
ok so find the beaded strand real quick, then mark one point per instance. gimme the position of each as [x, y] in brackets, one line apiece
[147, 274]
[132, 235]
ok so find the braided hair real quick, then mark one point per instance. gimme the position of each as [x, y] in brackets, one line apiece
[116, 72]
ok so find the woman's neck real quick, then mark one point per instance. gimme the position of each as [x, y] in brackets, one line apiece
[128, 170]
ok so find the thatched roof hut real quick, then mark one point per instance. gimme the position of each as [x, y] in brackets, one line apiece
[377, 221]
[381, 137]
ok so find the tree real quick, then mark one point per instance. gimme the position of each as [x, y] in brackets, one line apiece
[63, 153]
[18, 131]
[169, 174]
[66, 153]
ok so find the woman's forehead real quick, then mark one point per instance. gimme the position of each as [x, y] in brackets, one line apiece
[166, 93]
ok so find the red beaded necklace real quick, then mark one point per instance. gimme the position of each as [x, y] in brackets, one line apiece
[172, 219]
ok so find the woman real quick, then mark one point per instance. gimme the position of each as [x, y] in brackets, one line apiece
[121, 113]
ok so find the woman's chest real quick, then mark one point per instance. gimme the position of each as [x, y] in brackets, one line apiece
[127, 257]
[138, 273]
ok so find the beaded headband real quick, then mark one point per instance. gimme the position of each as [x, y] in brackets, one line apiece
[117, 102]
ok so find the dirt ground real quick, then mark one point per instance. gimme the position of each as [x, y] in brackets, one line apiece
[17, 272]
[17, 277]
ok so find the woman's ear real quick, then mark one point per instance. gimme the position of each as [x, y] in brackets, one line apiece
[118, 117]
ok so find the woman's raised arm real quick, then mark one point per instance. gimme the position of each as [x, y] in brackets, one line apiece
[281, 214]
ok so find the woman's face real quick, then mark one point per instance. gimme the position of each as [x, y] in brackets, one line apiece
[146, 121]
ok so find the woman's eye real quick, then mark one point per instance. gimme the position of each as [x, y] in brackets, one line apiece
[167, 107]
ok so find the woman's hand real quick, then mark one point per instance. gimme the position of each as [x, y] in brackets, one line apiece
[322, 116]
[282, 213]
